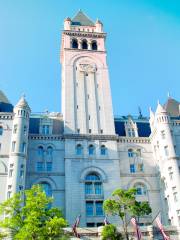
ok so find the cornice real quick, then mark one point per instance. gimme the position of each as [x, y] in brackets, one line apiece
[84, 34]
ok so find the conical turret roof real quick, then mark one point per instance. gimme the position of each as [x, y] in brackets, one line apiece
[82, 20]
[160, 109]
[23, 103]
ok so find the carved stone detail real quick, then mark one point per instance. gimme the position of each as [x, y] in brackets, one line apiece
[87, 67]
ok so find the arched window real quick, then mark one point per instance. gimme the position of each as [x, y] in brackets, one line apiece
[91, 149]
[84, 44]
[74, 43]
[1, 130]
[93, 184]
[130, 153]
[94, 45]
[140, 189]
[40, 151]
[49, 151]
[93, 187]
[46, 188]
[79, 149]
[103, 150]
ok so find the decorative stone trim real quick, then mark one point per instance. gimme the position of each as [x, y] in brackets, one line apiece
[46, 174]
[5, 116]
[138, 174]
[85, 34]
[45, 137]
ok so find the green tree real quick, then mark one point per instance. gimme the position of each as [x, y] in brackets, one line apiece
[28, 216]
[110, 232]
[123, 203]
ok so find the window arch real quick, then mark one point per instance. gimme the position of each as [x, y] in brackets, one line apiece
[1, 130]
[141, 189]
[93, 195]
[84, 44]
[40, 151]
[49, 151]
[93, 184]
[74, 43]
[94, 45]
[103, 150]
[79, 149]
[91, 149]
[46, 188]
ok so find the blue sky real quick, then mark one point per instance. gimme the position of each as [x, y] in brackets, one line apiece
[143, 45]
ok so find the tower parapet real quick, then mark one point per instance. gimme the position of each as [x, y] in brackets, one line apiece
[18, 149]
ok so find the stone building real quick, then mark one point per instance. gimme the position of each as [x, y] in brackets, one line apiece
[83, 154]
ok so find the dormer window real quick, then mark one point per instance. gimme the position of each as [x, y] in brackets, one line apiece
[131, 128]
[45, 129]
[74, 43]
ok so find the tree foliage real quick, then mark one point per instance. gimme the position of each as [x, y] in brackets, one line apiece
[110, 232]
[123, 203]
[29, 216]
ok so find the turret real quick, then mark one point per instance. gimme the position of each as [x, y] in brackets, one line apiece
[99, 26]
[18, 149]
[67, 24]
[163, 145]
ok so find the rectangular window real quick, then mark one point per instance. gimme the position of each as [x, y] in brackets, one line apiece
[49, 166]
[11, 165]
[132, 168]
[8, 194]
[163, 134]
[89, 209]
[9, 186]
[22, 173]
[175, 196]
[20, 187]
[98, 188]
[40, 166]
[171, 175]
[13, 146]
[25, 130]
[129, 132]
[15, 129]
[23, 147]
[166, 151]
[45, 129]
[10, 172]
[88, 188]
[99, 208]
[140, 167]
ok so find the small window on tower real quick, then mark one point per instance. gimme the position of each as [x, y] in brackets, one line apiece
[15, 128]
[94, 45]
[84, 44]
[74, 43]
[89, 130]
